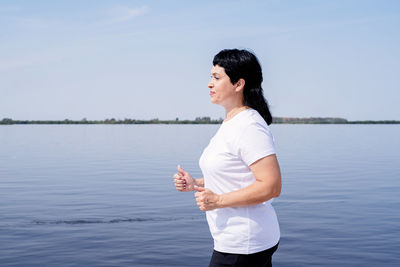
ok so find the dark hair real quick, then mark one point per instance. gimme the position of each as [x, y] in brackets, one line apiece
[242, 64]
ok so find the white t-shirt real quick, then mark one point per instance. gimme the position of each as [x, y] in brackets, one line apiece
[225, 163]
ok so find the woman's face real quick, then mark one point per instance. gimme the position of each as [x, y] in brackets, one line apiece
[222, 91]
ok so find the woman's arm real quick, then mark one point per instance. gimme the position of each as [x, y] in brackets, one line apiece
[267, 185]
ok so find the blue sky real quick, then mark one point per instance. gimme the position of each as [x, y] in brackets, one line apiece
[152, 59]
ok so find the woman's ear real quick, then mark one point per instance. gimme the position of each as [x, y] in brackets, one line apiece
[240, 85]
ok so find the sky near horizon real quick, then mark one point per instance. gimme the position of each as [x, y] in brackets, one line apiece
[152, 59]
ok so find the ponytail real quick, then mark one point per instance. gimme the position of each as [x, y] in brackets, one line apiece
[254, 98]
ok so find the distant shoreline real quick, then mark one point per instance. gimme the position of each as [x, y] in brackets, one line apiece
[199, 120]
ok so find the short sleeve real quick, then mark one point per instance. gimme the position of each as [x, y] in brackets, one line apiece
[255, 142]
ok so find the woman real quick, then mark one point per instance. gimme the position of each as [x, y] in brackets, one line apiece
[240, 168]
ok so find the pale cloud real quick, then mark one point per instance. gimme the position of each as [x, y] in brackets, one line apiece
[28, 61]
[30, 23]
[8, 9]
[123, 13]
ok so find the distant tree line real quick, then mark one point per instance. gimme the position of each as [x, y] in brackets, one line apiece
[198, 120]
[311, 120]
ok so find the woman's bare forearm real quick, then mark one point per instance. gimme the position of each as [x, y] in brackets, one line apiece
[254, 194]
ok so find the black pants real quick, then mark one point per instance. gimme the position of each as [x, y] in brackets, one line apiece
[259, 259]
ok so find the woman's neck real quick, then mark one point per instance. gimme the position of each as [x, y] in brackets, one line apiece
[232, 112]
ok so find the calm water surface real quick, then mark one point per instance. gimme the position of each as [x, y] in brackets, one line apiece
[102, 195]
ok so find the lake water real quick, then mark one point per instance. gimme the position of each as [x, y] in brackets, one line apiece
[103, 195]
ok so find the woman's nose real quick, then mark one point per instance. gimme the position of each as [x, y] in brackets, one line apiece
[210, 85]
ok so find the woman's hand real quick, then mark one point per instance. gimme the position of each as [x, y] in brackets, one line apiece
[206, 199]
[184, 182]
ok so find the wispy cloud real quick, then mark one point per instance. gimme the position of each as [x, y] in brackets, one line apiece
[123, 13]
[8, 9]
[30, 23]
[29, 61]
[13, 16]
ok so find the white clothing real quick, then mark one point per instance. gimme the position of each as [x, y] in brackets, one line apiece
[225, 162]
